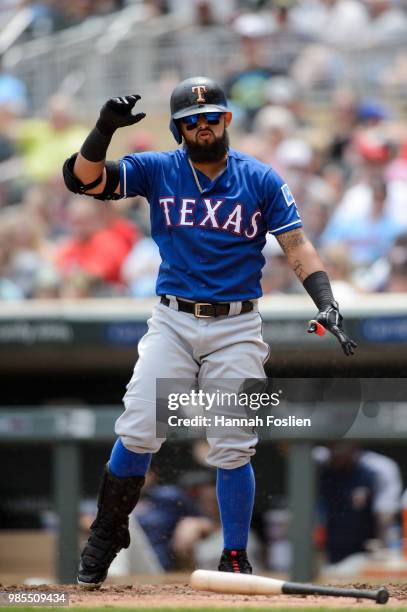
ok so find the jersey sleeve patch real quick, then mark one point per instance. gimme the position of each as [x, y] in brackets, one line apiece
[288, 196]
[280, 209]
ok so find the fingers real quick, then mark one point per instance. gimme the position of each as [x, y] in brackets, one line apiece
[131, 100]
[127, 100]
[346, 343]
[124, 103]
[136, 118]
[348, 347]
[331, 319]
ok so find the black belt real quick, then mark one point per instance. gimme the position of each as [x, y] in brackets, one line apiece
[204, 310]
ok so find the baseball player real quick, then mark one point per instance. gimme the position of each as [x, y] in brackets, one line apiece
[210, 210]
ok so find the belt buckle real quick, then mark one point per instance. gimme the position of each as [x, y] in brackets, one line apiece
[197, 310]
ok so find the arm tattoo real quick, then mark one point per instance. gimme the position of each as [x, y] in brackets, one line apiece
[299, 270]
[289, 241]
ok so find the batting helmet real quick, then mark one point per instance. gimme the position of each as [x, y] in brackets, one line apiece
[195, 95]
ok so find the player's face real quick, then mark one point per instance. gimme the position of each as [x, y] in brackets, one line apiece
[205, 135]
[205, 127]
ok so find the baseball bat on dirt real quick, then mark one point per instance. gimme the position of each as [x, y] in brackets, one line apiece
[247, 584]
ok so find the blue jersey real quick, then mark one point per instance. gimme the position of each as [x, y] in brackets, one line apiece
[211, 241]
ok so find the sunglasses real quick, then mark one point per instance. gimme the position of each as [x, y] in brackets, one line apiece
[192, 120]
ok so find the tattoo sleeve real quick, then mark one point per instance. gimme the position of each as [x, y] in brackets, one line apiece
[300, 253]
[290, 241]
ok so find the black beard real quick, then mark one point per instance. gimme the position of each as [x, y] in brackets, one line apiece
[210, 152]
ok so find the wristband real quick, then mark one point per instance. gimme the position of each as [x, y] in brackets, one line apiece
[96, 144]
[319, 288]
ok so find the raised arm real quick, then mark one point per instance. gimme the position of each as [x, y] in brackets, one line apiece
[88, 172]
[307, 265]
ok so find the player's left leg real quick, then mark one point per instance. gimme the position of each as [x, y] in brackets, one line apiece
[238, 353]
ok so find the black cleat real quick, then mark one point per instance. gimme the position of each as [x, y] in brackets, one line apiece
[110, 529]
[235, 561]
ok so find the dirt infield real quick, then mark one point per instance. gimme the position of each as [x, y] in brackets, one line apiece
[182, 596]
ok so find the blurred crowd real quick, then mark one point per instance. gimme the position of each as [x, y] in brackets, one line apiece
[47, 16]
[344, 160]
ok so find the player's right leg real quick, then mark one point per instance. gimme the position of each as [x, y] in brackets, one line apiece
[163, 353]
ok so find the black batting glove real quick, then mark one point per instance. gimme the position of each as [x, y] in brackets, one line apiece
[116, 113]
[331, 319]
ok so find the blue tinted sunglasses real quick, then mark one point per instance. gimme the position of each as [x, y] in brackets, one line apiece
[192, 120]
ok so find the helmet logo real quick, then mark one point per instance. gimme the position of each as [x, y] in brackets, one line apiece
[199, 90]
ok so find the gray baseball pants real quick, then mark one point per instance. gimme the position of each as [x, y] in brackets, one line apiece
[178, 345]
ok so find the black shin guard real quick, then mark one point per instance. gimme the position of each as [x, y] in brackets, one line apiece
[110, 529]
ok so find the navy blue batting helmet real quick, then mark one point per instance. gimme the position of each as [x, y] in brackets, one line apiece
[192, 96]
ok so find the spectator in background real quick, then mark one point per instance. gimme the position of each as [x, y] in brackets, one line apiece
[159, 512]
[13, 91]
[387, 485]
[368, 237]
[8, 289]
[11, 171]
[140, 268]
[370, 113]
[283, 91]
[387, 493]
[46, 17]
[156, 8]
[397, 263]
[388, 22]
[28, 250]
[346, 490]
[388, 272]
[397, 282]
[344, 122]
[331, 21]
[44, 142]
[319, 202]
[295, 157]
[7, 122]
[95, 252]
[367, 159]
[272, 125]
[334, 175]
[13, 103]
[395, 175]
[286, 36]
[198, 12]
[318, 66]
[38, 204]
[338, 264]
[119, 225]
[246, 87]
[190, 531]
